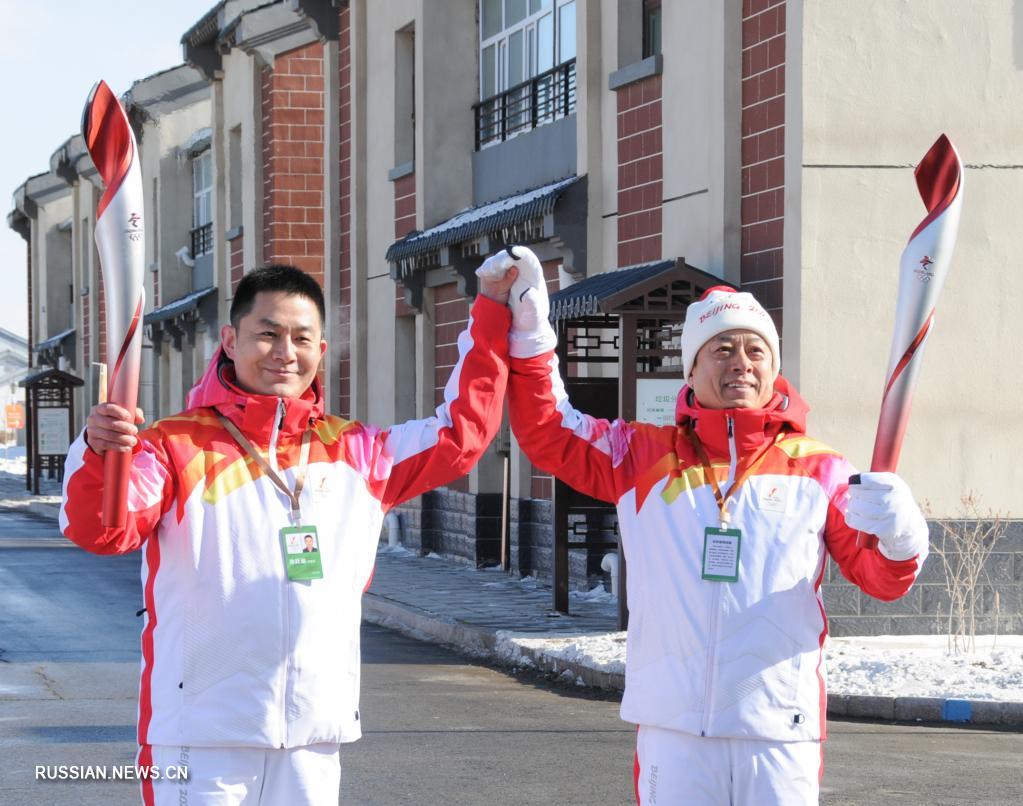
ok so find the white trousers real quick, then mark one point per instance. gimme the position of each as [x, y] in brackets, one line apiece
[678, 768]
[243, 776]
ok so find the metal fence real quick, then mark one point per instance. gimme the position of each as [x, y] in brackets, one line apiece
[202, 240]
[539, 100]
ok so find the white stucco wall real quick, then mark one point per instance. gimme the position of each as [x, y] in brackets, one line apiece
[375, 227]
[700, 113]
[877, 89]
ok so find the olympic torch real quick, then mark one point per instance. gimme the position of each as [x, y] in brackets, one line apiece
[121, 244]
[922, 271]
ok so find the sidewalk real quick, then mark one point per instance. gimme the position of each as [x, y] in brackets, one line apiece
[488, 613]
[14, 495]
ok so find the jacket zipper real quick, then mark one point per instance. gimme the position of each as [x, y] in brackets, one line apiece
[708, 693]
[272, 458]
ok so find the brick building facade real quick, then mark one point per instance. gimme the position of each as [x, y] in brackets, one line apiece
[387, 150]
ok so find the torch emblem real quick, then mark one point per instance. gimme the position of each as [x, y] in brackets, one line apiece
[925, 272]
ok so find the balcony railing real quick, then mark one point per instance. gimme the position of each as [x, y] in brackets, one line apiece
[541, 99]
[202, 240]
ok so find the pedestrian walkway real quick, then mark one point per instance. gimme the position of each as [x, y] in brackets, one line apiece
[489, 599]
[14, 493]
[479, 611]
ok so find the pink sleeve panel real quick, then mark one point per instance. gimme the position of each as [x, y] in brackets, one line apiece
[150, 495]
[597, 457]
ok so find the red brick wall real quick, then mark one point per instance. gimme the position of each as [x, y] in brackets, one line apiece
[763, 151]
[86, 329]
[236, 246]
[404, 205]
[344, 337]
[451, 312]
[292, 111]
[541, 484]
[404, 223]
[101, 316]
[640, 172]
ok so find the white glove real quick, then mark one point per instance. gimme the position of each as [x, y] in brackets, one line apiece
[881, 504]
[531, 332]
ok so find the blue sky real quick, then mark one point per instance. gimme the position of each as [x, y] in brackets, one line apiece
[51, 53]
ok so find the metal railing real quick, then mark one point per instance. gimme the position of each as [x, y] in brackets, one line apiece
[202, 240]
[539, 100]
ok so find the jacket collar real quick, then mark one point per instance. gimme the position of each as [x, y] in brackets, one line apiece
[750, 427]
[253, 414]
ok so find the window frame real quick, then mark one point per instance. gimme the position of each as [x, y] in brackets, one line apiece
[202, 198]
[529, 27]
[651, 12]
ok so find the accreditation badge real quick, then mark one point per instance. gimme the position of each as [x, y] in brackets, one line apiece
[301, 547]
[721, 554]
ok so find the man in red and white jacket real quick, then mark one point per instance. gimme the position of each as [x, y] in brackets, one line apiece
[250, 647]
[727, 519]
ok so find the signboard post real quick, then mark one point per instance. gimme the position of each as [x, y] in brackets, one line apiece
[52, 432]
[655, 400]
[15, 416]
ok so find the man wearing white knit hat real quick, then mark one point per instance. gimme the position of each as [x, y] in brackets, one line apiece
[727, 518]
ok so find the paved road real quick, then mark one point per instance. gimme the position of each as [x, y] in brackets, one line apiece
[439, 730]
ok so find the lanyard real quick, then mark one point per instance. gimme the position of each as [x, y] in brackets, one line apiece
[257, 457]
[740, 474]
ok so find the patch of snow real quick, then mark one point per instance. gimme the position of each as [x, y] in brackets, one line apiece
[888, 666]
[597, 594]
[922, 666]
[394, 551]
[603, 651]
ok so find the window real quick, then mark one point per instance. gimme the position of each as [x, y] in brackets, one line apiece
[522, 43]
[651, 28]
[234, 165]
[523, 38]
[404, 96]
[202, 203]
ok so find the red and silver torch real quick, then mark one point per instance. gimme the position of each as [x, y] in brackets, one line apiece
[922, 271]
[121, 243]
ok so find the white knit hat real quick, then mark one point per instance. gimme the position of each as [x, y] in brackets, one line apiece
[722, 308]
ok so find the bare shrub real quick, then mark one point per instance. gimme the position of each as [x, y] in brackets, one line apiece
[964, 551]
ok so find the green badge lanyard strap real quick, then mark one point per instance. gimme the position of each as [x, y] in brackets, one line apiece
[740, 477]
[273, 475]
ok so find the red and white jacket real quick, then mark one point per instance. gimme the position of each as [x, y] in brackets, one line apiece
[233, 654]
[742, 659]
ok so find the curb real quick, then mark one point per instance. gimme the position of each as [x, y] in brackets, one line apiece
[927, 709]
[479, 641]
[35, 509]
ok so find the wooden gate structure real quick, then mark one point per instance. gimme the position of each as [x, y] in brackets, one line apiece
[49, 414]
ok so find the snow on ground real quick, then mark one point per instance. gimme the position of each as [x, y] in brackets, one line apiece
[885, 666]
[888, 666]
[13, 494]
[602, 651]
[922, 666]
